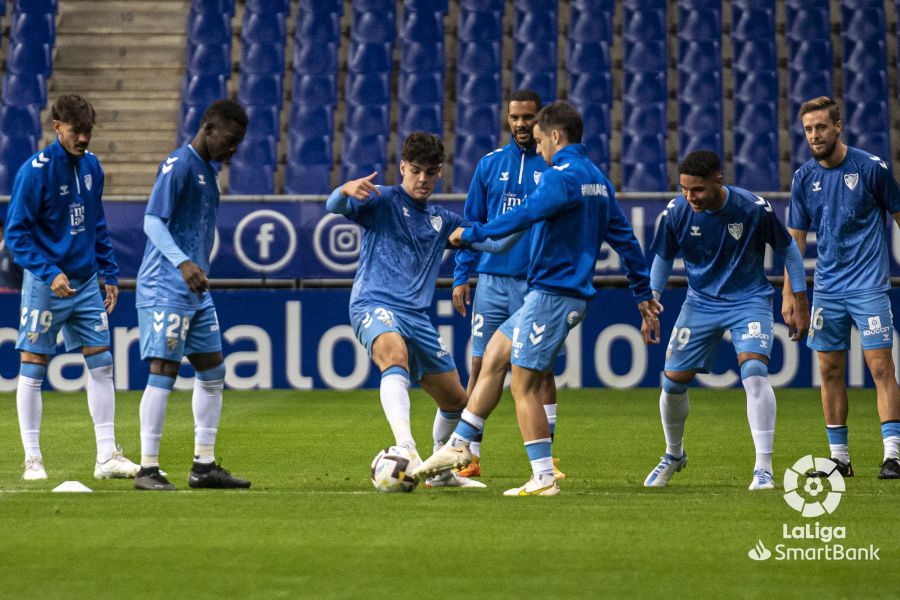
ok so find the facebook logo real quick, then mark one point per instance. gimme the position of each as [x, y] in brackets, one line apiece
[265, 241]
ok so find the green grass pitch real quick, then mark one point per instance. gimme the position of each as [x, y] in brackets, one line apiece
[313, 527]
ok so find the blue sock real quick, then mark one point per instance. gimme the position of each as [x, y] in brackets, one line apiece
[890, 432]
[161, 381]
[890, 429]
[838, 434]
[33, 371]
[540, 453]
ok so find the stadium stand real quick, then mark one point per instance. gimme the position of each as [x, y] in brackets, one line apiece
[700, 76]
[535, 33]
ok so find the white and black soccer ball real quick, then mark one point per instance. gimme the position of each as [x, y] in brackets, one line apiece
[390, 470]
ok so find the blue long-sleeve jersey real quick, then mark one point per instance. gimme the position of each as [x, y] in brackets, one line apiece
[502, 180]
[55, 223]
[575, 211]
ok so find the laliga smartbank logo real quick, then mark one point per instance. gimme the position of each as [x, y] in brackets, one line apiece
[813, 487]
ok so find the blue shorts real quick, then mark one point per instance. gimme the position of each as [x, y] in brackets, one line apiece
[831, 318]
[699, 329]
[497, 298]
[425, 350]
[170, 333]
[538, 330]
[82, 317]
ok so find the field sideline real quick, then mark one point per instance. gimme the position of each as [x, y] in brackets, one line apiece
[312, 526]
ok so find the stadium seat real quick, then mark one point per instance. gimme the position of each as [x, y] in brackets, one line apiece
[263, 120]
[758, 146]
[865, 87]
[370, 149]
[35, 6]
[479, 89]
[421, 117]
[866, 117]
[209, 28]
[33, 28]
[759, 86]
[592, 88]
[877, 143]
[700, 23]
[369, 57]
[262, 58]
[258, 151]
[189, 120]
[598, 150]
[700, 87]
[373, 27]
[596, 120]
[368, 88]
[645, 56]
[756, 116]
[245, 178]
[864, 55]
[209, 59]
[535, 26]
[643, 148]
[643, 25]
[587, 56]
[422, 57]
[700, 57]
[645, 119]
[753, 23]
[20, 121]
[644, 87]
[264, 26]
[24, 89]
[260, 89]
[316, 27]
[300, 178]
[475, 119]
[314, 89]
[697, 120]
[316, 58]
[420, 88]
[809, 84]
[591, 21]
[202, 90]
[213, 6]
[29, 58]
[690, 143]
[310, 120]
[644, 177]
[274, 6]
[351, 170]
[863, 23]
[756, 177]
[422, 26]
[16, 150]
[313, 150]
[480, 26]
[494, 5]
[471, 148]
[542, 83]
[363, 120]
[810, 55]
[536, 57]
[475, 57]
[756, 55]
[808, 19]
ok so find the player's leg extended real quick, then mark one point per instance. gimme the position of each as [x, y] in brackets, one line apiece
[390, 355]
[761, 409]
[529, 391]
[881, 365]
[29, 406]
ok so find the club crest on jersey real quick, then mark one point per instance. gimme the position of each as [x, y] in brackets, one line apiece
[817, 186]
[851, 179]
[87, 181]
[504, 176]
[537, 177]
[436, 222]
[736, 230]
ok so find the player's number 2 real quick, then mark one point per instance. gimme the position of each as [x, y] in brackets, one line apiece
[174, 322]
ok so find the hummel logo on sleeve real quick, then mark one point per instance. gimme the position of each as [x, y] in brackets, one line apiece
[170, 164]
[40, 161]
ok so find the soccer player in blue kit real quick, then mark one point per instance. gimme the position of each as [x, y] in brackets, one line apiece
[403, 243]
[722, 233]
[575, 211]
[846, 195]
[502, 180]
[175, 311]
[56, 231]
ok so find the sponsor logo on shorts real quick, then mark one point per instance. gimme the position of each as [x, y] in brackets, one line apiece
[754, 331]
[876, 328]
[516, 344]
[104, 323]
[444, 351]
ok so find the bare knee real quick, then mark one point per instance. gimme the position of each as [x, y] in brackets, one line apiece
[166, 368]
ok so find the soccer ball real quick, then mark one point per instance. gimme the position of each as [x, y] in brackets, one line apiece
[390, 470]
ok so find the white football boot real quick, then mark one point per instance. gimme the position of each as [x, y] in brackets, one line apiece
[668, 466]
[117, 467]
[536, 486]
[762, 480]
[452, 479]
[446, 458]
[34, 469]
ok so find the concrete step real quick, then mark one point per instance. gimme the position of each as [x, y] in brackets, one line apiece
[115, 80]
[78, 51]
[97, 16]
[132, 176]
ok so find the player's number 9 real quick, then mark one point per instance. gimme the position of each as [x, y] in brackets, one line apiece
[42, 318]
[681, 337]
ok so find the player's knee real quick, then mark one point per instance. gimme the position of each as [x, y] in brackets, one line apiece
[754, 368]
[678, 377]
[831, 372]
[670, 386]
[166, 368]
[882, 369]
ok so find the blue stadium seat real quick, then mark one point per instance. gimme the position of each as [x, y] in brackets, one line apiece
[644, 177]
[643, 25]
[366, 120]
[596, 120]
[542, 83]
[35, 6]
[699, 120]
[691, 143]
[24, 89]
[321, 58]
[480, 26]
[314, 89]
[209, 28]
[422, 26]
[643, 148]
[300, 178]
[16, 150]
[810, 55]
[644, 87]
[700, 87]
[591, 21]
[262, 58]
[318, 27]
[700, 24]
[645, 56]
[213, 6]
[209, 59]
[462, 176]
[475, 57]
[258, 151]
[877, 143]
[537, 26]
[426, 5]
[421, 88]
[368, 88]
[20, 121]
[753, 23]
[421, 117]
[311, 120]
[260, 89]
[758, 146]
[866, 117]
[374, 5]
[808, 20]
[33, 28]
[352, 170]
[369, 150]
[863, 24]
[587, 56]
[494, 5]
[312, 150]
[700, 56]
[809, 84]
[29, 58]
[598, 150]
[756, 116]
[244, 178]
[263, 121]
[756, 177]
[470, 149]
[864, 55]
[479, 89]
[373, 27]
[475, 119]
[189, 120]
[645, 119]
[535, 57]
[264, 26]
[592, 88]
[202, 90]
[369, 58]
[756, 55]
[761, 86]
[422, 57]
[865, 87]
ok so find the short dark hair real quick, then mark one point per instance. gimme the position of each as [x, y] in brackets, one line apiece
[225, 109]
[821, 103]
[423, 148]
[700, 163]
[562, 116]
[525, 96]
[74, 110]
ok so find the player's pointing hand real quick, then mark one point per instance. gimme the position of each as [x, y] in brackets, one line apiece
[361, 188]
